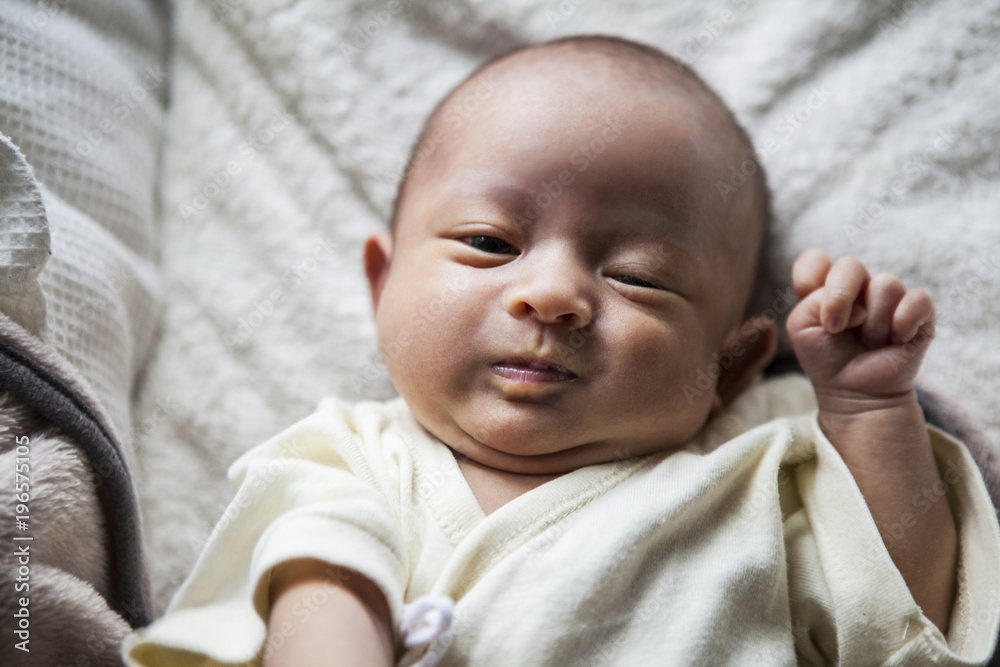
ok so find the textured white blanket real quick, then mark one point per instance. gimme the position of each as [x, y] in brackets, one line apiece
[82, 90]
[290, 122]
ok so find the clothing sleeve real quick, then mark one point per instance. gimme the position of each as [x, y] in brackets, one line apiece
[307, 493]
[849, 603]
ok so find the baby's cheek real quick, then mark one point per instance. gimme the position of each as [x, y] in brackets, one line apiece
[424, 333]
[681, 381]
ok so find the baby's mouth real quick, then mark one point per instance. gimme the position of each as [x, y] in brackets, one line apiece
[533, 370]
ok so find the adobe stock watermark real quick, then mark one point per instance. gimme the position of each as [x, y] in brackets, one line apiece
[429, 483]
[367, 30]
[985, 273]
[581, 158]
[458, 111]
[429, 313]
[868, 214]
[121, 108]
[568, 348]
[922, 501]
[301, 271]
[163, 408]
[223, 7]
[752, 330]
[96, 306]
[899, 16]
[562, 12]
[647, 610]
[260, 479]
[29, 28]
[786, 127]
[224, 176]
[981, 614]
[766, 497]
[711, 29]
[304, 608]
[154, 419]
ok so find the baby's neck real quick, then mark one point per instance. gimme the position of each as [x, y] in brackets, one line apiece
[495, 488]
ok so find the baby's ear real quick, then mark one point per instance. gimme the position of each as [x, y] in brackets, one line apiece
[378, 251]
[750, 346]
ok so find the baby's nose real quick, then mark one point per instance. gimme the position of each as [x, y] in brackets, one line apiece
[553, 292]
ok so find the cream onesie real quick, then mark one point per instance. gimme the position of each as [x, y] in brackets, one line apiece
[750, 544]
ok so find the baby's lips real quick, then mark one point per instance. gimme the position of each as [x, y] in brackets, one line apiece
[530, 365]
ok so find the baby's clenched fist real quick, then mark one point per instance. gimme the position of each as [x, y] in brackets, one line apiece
[857, 337]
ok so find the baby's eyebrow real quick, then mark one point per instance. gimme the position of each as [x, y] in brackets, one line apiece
[514, 198]
[511, 201]
[649, 225]
[668, 251]
[496, 196]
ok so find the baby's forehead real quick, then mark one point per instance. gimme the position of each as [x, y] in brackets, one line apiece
[598, 76]
[566, 86]
[558, 103]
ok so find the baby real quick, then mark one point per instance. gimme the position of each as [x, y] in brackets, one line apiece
[584, 466]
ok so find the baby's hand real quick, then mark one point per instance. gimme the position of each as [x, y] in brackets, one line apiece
[859, 339]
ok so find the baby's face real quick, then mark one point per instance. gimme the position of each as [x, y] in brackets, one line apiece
[561, 271]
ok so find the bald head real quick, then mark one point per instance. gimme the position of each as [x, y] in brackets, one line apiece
[599, 77]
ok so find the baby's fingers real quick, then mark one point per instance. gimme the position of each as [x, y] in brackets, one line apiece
[882, 298]
[809, 272]
[844, 283]
[915, 311]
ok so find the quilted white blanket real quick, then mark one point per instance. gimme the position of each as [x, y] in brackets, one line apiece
[290, 122]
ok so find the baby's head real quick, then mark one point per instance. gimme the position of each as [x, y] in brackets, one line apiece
[562, 268]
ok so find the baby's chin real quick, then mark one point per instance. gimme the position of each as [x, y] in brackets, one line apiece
[534, 453]
[552, 463]
[514, 450]
[541, 438]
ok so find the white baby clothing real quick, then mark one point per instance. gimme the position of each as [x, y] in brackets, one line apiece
[750, 544]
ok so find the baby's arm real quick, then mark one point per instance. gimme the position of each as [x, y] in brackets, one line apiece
[861, 340]
[323, 615]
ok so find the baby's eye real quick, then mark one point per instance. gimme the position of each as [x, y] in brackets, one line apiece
[491, 244]
[637, 282]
